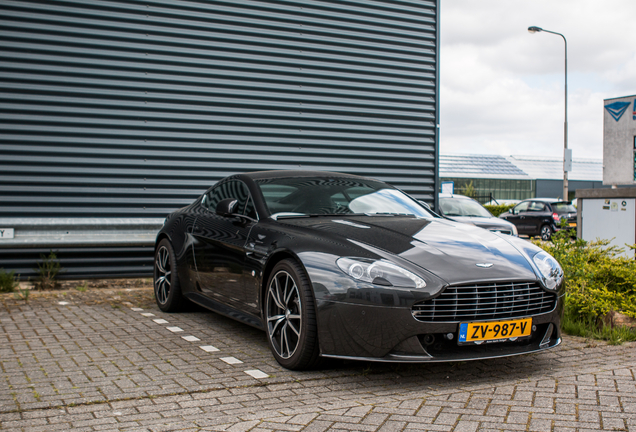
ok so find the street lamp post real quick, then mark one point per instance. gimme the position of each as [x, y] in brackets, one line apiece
[534, 29]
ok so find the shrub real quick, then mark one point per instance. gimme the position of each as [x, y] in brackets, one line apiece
[496, 210]
[597, 280]
[8, 281]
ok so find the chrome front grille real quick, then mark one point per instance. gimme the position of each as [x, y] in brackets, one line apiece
[484, 301]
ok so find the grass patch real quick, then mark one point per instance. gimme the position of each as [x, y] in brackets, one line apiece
[588, 328]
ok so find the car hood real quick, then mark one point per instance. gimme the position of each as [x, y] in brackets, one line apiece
[449, 250]
[483, 222]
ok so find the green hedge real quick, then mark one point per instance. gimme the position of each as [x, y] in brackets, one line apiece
[597, 279]
[496, 210]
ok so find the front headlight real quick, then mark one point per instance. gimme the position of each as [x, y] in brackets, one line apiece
[380, 272]
[549, 268]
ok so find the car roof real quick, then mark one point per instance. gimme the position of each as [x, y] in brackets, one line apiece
[548, 200]
[260, 175]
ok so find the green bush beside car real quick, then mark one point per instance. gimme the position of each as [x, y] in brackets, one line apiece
[599, 282]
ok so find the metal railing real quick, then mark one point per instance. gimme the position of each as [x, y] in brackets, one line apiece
[78, 232]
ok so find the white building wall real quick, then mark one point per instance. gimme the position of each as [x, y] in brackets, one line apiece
[619, 132]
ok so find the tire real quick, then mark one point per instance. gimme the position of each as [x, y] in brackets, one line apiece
[290, 317]
[166, 280]
[545, 233]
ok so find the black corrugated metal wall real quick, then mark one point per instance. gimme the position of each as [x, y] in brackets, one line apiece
[131, 109]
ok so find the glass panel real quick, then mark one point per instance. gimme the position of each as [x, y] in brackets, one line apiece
[563, 208]
[521, 207]
[536, 206]
[462, 207]
[320, 196]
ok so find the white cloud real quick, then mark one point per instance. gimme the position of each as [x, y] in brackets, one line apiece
[502, 88]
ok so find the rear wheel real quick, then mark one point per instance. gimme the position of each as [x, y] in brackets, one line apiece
[546, 232]
[291, 317]
[166, 280]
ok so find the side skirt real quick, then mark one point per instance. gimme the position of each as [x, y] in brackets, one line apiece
[228, 311]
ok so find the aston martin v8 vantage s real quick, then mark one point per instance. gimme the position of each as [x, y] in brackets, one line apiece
[335, 265]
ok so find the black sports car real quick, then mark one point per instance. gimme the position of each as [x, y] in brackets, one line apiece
[335, 265]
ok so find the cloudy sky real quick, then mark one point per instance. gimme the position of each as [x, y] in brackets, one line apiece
[502, 87]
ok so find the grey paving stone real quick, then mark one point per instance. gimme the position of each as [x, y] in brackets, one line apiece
[92, 367]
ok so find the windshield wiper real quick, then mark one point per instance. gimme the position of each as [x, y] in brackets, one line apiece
[292, 215]
[390, 214]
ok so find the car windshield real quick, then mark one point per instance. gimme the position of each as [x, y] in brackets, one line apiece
[563, 207]
[462, 207]
[310, 196]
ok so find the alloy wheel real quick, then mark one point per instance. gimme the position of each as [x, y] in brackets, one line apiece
[162, 274]
[284, 312]
[546, 233]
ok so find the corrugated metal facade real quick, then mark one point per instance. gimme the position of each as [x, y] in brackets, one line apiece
[132, 109]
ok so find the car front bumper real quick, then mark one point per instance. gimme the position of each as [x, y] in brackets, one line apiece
[385, 334]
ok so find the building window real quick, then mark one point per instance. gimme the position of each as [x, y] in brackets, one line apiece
[483, 190]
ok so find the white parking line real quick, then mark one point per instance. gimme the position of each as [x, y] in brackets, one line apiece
[231, 360]
[136, 309]
[255, 373]
[63, 303]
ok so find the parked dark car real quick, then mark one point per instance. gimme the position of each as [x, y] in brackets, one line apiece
[464, 209]
[541, 216]
[335, 265]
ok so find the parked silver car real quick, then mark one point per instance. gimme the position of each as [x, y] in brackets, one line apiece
[464, 209]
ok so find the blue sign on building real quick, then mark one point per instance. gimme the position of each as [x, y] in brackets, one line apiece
[617, 109]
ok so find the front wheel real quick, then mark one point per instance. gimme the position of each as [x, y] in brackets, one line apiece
[166, 280]
[546, 232]
[291, 317]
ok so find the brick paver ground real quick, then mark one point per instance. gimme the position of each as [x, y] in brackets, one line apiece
[100, 360]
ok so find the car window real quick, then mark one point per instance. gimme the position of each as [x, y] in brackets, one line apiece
[521, 207]
[462, 207]
[319, 196]
[536, 206]
[231, 189]
[563, 207]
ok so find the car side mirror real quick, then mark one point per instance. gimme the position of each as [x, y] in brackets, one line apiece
[425, 204]
[226, 207]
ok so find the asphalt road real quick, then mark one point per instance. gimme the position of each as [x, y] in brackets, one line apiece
[105, 360]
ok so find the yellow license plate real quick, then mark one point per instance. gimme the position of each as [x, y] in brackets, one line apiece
[494, 330]
[572, 224]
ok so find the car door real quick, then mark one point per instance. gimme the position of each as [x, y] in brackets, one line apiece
[535, 217]
[219, 248]
[517, 216]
